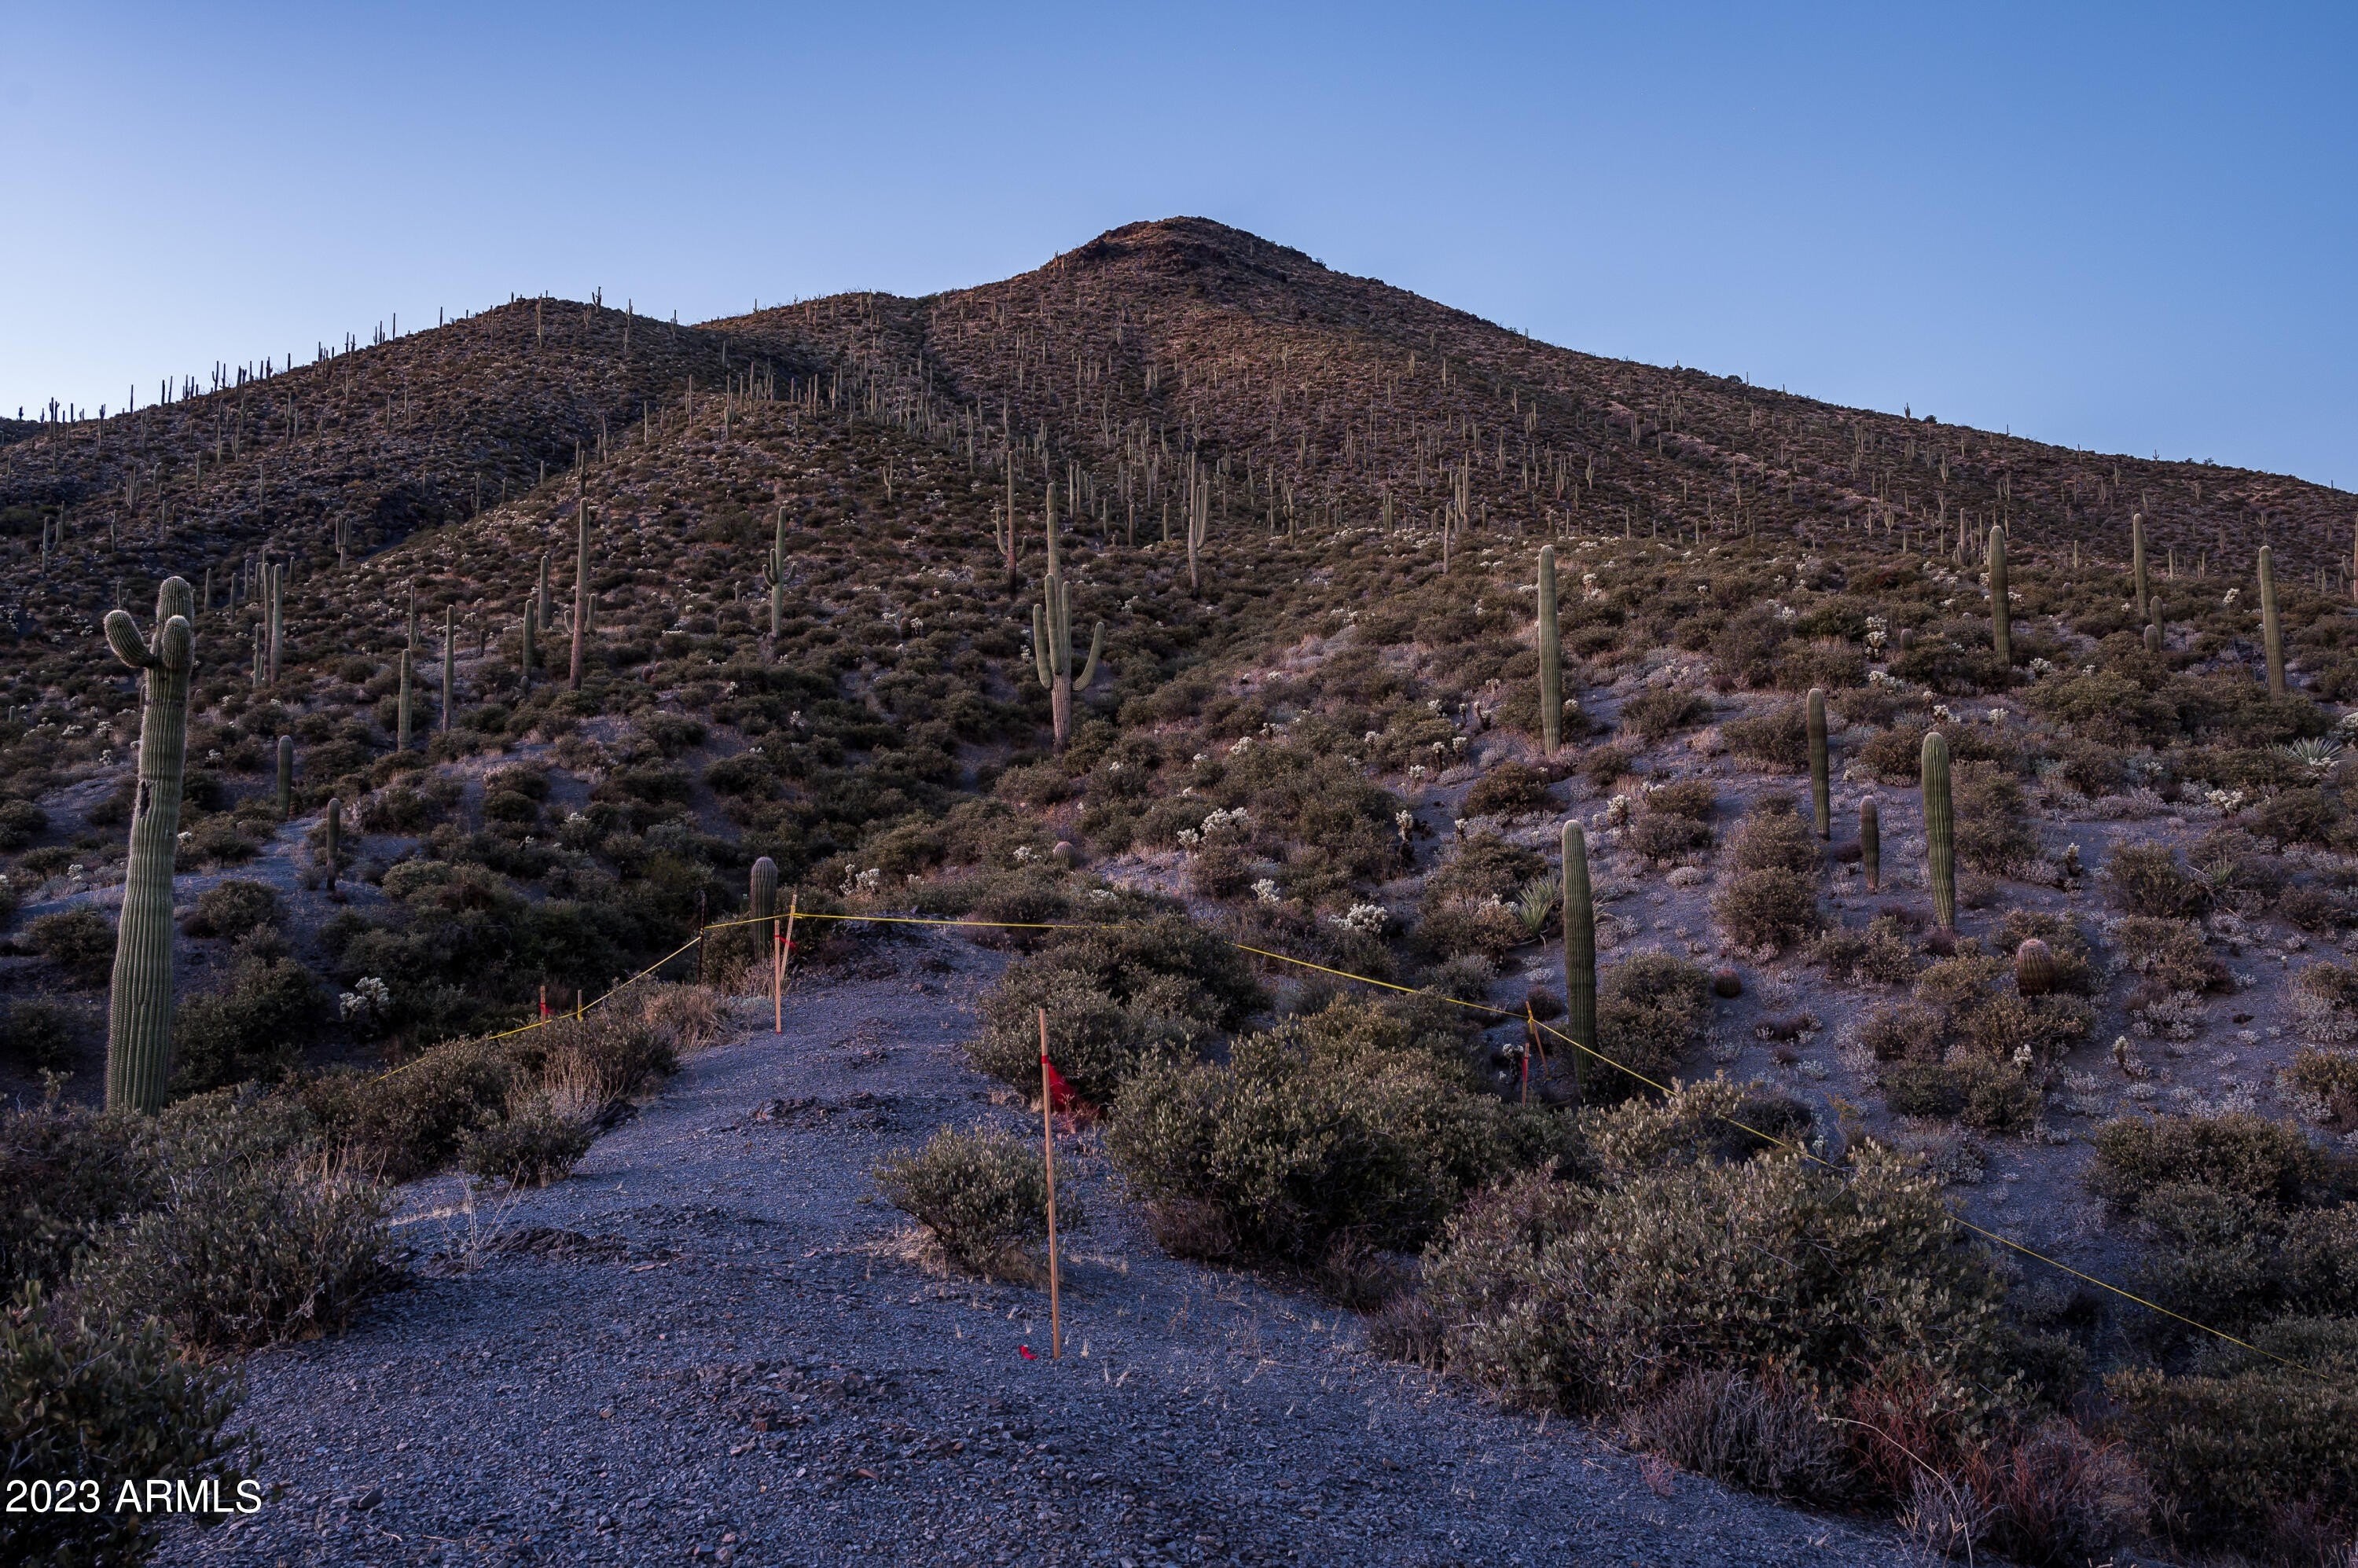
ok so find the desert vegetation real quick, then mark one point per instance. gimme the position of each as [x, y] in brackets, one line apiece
[1963, 859]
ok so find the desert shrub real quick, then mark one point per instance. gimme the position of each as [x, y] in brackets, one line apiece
[2229, 1259]
[2147, 879]
[1577, 1296]
[89, 1397]
[1777, 739]
[249, 1252]
[2249, 1450]
[1767, 908]
[531, 1150]
[1659, 712]
[231, 909]
[1650, 1010]
[35, 1035]
[256, 1028]
[1601, 765]
[1508, 789]
[1691, 798]
[1482, 866]
[2330, 1078]
[2313, 909]
[1896, 755]
[2073, 970]
[1987, 1019]
[65, 1170]
[1489, 926]
[79, 940]
[1115, 997]
[2170, 952]
[1775, 838]
[408, 1123]
[1879, 955]
[984, 1195]
[1993, 833]
[1986, 1095]
[2296, 816]
[2236, 1152]
[1746, 648]
[2050, 1495]
[1904, 1031]
[1339, 1122]
[1767, 1432]
[20, 822]
[1219, 871]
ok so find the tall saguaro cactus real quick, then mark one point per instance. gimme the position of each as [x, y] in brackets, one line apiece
[275, 594]
[581, 581]
[774, 573]
[1579, 950]
[763, 897]
[139, 1006]
[2136, 564]
[531, 617]
[1052, 640]
[1551, 656]
[286, 777]
[2001, 618]
[335, 839]
[1870, 842]
[2271, 629]
[449, 661]
[401, 709]
[1821, 783]
[1940, 830]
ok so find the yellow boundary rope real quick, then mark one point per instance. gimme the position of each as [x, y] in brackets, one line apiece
[1769, 1138]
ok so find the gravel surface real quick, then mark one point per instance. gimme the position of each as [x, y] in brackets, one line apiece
[713, 1343]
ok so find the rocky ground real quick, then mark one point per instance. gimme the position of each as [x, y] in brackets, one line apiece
[713, 1342]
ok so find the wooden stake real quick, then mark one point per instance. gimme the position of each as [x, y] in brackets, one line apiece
[1048, 1143]
[786, 945]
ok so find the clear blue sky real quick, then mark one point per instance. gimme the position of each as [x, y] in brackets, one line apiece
[2127, 227]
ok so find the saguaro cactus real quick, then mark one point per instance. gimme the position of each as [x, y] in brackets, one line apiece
[401, 712]
[2001, 626]
[2271, 630]
[139, 1006]
[449, 661]
[581, 582]
[1579, 950]
[1820, 786]
[774, 573]
[1940, 830]
[335, 838]
[286, 777]
[275, 592]
[531, 617]
[1551, 656]
[1870, 842]
[2137, 563]
[1052, 640]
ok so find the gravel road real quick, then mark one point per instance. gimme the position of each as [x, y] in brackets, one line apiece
[714, 1343]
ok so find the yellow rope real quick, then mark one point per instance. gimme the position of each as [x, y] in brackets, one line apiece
[1769, 1138]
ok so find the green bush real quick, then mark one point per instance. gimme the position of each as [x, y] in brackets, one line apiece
[1777, 739]
[2229, 1259]
[231, 909]
[2147, 879]
[65, 1171]
[409, 1123]
[984, 1195]
[2169, 952]
[1507, 789]
[256, 1029]
[1767, 1434]
[1339, 1122]
[1596, 1295]
[1769, 908]
[35, 1035]
[2237, 1152]
[79, 940]
[1659, 712]
[528, 1150]
[88, 1398]
[1993, 832]
[1650, 1010]
[249, 1252]
[1114, 998]
[2247, 1447]
[20, 822]
[1983, 1094]
[1775, 838]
